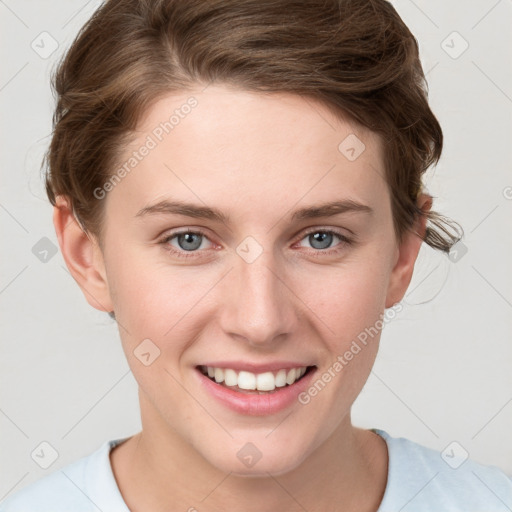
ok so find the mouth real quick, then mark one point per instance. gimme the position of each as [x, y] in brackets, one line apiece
[263, 393]
[264, 383]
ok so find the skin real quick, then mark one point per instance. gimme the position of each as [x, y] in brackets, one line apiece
[257, 158]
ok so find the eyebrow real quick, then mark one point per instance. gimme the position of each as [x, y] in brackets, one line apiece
[204, 212]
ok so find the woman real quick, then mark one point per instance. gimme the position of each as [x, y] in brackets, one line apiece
[238, 183]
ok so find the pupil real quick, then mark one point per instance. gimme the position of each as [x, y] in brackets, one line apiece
[320, 238]
[188, 238]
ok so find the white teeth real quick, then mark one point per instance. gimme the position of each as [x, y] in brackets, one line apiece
[280, 379]
[230, 377]
[290, 378]
[267, 381]
[247, 380]
[219, 375]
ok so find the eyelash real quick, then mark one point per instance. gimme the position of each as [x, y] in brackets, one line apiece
[345, 241]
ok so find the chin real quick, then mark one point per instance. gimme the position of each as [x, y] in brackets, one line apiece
[250, 462]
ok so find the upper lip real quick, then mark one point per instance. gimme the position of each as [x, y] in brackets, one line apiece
[256, 367]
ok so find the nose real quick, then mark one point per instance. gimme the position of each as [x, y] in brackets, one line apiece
[258, 304]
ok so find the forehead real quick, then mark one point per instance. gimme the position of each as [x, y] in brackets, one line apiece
[234, 148]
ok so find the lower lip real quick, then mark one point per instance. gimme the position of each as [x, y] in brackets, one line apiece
[254, 404]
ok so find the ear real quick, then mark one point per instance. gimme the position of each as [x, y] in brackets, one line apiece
[408, 250]
[82, 255]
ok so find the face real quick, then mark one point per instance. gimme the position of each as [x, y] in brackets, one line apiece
[258, 286]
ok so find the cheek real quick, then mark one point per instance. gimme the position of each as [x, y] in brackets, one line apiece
[152, 305]
[158, 300]
[348, 299]
[163, 303]
[350, 305]
[151, 296]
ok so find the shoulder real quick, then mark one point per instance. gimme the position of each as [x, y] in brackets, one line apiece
[85, 485]
[423, 479]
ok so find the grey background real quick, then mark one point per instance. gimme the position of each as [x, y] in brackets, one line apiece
[443, 371]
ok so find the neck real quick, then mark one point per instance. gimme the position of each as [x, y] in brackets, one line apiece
[158, 467]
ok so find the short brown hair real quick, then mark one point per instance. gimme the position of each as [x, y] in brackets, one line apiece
[357, 57]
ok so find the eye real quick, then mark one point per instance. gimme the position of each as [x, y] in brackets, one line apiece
[185, 242]
[188, 243]
[322, 239]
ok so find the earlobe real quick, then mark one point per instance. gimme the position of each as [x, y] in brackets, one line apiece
[402, 272]
[82, 255]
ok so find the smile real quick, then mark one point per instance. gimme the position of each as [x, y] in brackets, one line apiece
[249, 382]
[254, 394]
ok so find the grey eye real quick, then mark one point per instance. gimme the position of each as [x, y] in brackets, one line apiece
[189, 241]
[320, 240]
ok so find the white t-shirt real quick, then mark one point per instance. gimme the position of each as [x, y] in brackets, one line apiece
[419, 480]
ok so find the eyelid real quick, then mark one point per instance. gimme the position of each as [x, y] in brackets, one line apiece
[181, 231]
[335, 231]
[345, 240]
